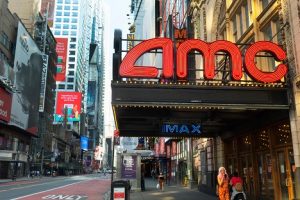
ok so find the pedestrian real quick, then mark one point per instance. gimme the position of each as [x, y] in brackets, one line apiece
[143, 181]
[223, 184]
[153, 174]
[236, 183]
[161, 181]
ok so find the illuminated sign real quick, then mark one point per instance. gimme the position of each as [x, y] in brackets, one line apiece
[208, 50]
[84, 143]
[182, 128]
[68, 103]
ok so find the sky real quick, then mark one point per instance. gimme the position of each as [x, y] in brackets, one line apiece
[115, 15]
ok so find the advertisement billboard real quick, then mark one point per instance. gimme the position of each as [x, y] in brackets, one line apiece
[28, 66]
[48, 5]
[43, 83]
[61, 63]
[84, 143]
[91, 97]
[5, 105]
[98, 153]
[129, 163]
[68, 103]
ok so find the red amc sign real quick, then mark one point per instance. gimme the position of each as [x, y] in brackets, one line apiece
[208, 50]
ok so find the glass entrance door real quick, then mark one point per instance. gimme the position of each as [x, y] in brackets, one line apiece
[266, 189]
[285, 159]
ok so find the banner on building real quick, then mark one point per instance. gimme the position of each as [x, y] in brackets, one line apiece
[91, 98]
[47, 6]
[129, 143]
[43, 83]
[67, 103]
[98, 153]
[28, 66]
[129, 163]
[5, 105]
[84, 141]
[62, 56]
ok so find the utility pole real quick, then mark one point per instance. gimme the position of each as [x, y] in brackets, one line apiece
[42, 115]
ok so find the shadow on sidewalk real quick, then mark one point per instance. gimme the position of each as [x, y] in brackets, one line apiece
[169, 193]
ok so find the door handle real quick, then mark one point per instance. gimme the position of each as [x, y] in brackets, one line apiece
[286, 182]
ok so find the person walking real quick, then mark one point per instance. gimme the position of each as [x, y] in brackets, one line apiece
[237, 187]
[223, 184]
[161, 181]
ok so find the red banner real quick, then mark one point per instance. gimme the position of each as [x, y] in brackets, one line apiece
[5, 105]
[61, 50]
[71, 101]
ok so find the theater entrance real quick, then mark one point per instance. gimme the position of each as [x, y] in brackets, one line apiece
[286, 172]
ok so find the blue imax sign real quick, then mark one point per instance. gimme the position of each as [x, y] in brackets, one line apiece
[194, 129]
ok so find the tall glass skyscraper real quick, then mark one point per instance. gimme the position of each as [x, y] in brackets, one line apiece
[69, 15]
[77, 24]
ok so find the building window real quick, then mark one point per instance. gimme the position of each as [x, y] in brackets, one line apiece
[66, 26]
[67, 1]
[73, 39]
[71, 73]
[75, 8]
[72, 52]
[59, 1]
[65, 32]
[241, 20]
[58, 26]
[71, 66]
[234, 31]
[74, 20]
[73, 33]
[72, 46]
[66, 20]
[67, 7]
[75, 1]
[61, 86]
[264, 3]
[75, 14]
[58, 13]
[70, 80]
[58, 20]
[270, 32]
[4, 40]
[74, 27]
[71, 59]
[59, 7]
[67, 14]
[57, 32]
[70, 87]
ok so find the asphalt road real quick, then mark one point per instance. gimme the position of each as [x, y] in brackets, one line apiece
[92, 187]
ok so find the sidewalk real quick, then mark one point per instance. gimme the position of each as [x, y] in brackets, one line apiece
[169, 193]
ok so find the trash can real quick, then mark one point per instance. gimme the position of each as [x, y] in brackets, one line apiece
[120, 190]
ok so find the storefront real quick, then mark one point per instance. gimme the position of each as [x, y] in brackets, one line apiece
[243, 108]
[264, 159]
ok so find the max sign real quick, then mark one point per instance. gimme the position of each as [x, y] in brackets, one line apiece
[208, 50]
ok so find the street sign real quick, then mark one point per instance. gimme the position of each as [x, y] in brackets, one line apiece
[119, 193]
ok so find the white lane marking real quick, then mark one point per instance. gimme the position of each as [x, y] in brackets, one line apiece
[48, 190]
